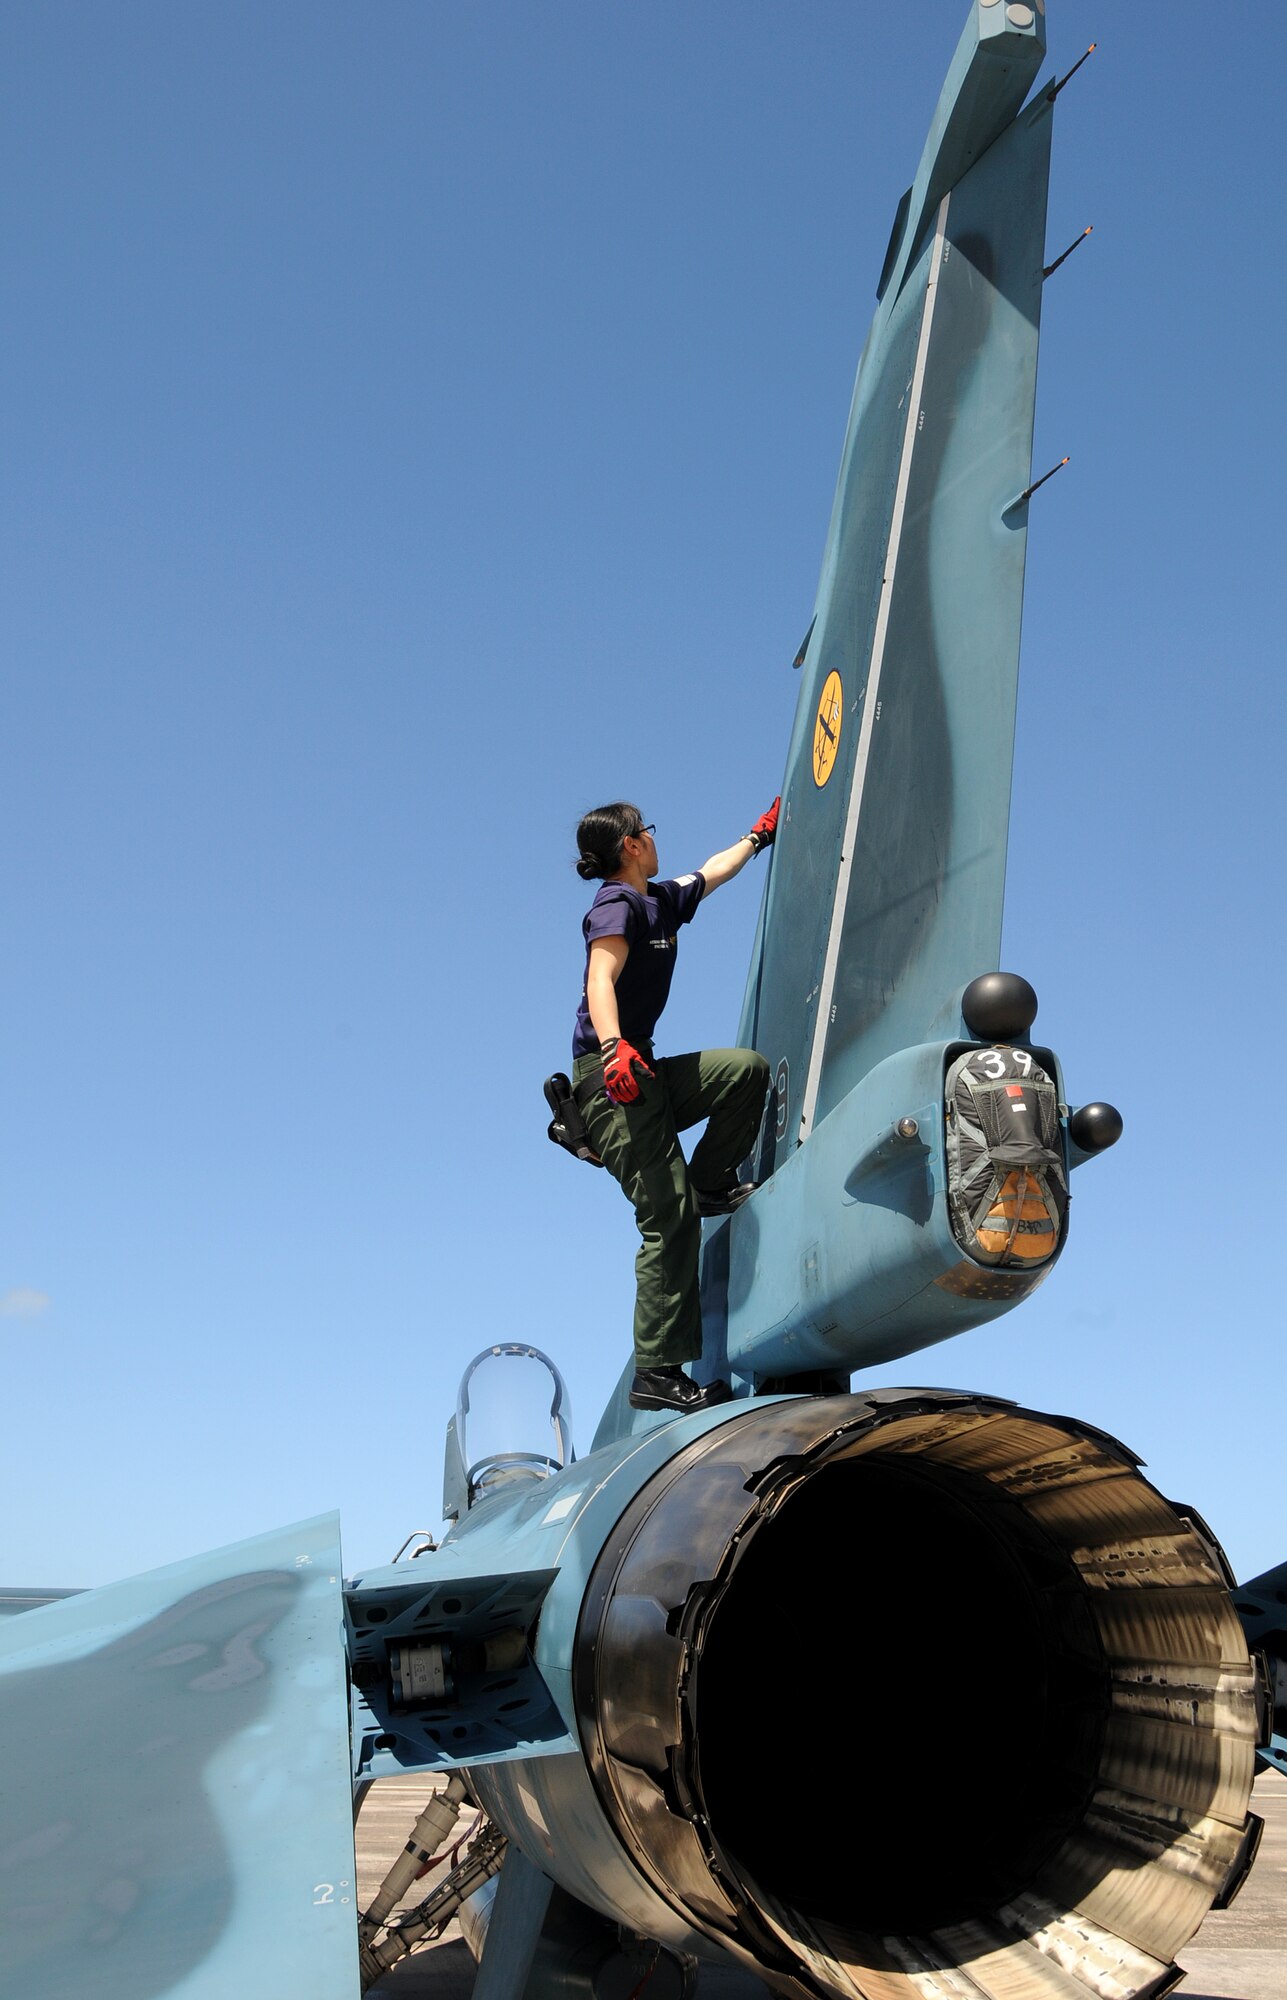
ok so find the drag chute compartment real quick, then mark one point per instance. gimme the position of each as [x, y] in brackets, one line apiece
[1007, 1175]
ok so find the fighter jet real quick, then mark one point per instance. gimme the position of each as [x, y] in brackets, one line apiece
[623, 1673]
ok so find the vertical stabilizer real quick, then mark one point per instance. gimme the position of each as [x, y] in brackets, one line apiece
[886, 886]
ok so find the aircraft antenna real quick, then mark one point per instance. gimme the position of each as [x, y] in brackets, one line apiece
[1028, 491]
[1055, 89]
[1046, 269]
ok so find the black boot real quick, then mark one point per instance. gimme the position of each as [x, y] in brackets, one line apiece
[722, 1201]
[671, 1389]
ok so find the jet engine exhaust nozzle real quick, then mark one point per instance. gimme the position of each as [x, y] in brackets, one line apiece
[1001, 1674]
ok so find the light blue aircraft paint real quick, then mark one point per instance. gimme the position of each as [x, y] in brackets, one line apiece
[176, 1811]
[657, 1662]
[885, 892]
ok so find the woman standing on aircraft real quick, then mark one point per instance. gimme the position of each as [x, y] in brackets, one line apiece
[635, 1104]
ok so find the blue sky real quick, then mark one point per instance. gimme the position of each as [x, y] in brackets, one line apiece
[421, 424]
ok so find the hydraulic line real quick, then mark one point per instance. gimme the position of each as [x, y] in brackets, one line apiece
[451, 1853]
[427, 1835]
[430, 1918]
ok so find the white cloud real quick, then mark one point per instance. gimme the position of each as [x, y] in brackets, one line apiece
[23, 1302]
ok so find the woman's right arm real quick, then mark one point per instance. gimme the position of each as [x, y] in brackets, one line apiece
[607, 957]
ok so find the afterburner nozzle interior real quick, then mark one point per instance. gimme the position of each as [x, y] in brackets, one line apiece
[959, 1688]
[943, 1700]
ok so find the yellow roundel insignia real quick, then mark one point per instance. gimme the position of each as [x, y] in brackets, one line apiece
[826, 730]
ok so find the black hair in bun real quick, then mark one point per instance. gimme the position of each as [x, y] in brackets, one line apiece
[599, 838]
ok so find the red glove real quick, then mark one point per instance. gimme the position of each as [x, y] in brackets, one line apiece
[765, 827]
[620, 1060]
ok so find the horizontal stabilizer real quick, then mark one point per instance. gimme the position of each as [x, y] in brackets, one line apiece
[176, 1814]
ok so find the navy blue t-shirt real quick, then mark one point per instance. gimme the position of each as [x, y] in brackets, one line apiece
[648, 924]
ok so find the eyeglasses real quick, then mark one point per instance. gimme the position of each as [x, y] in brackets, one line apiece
[646, 829]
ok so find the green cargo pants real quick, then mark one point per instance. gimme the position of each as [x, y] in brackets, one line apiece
[639, 1145]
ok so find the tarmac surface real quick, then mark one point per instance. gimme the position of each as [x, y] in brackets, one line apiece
[1239, 1953]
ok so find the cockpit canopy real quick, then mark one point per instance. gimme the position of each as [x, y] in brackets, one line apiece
[513, 1424]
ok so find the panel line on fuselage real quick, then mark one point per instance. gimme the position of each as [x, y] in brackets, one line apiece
[862, 756]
